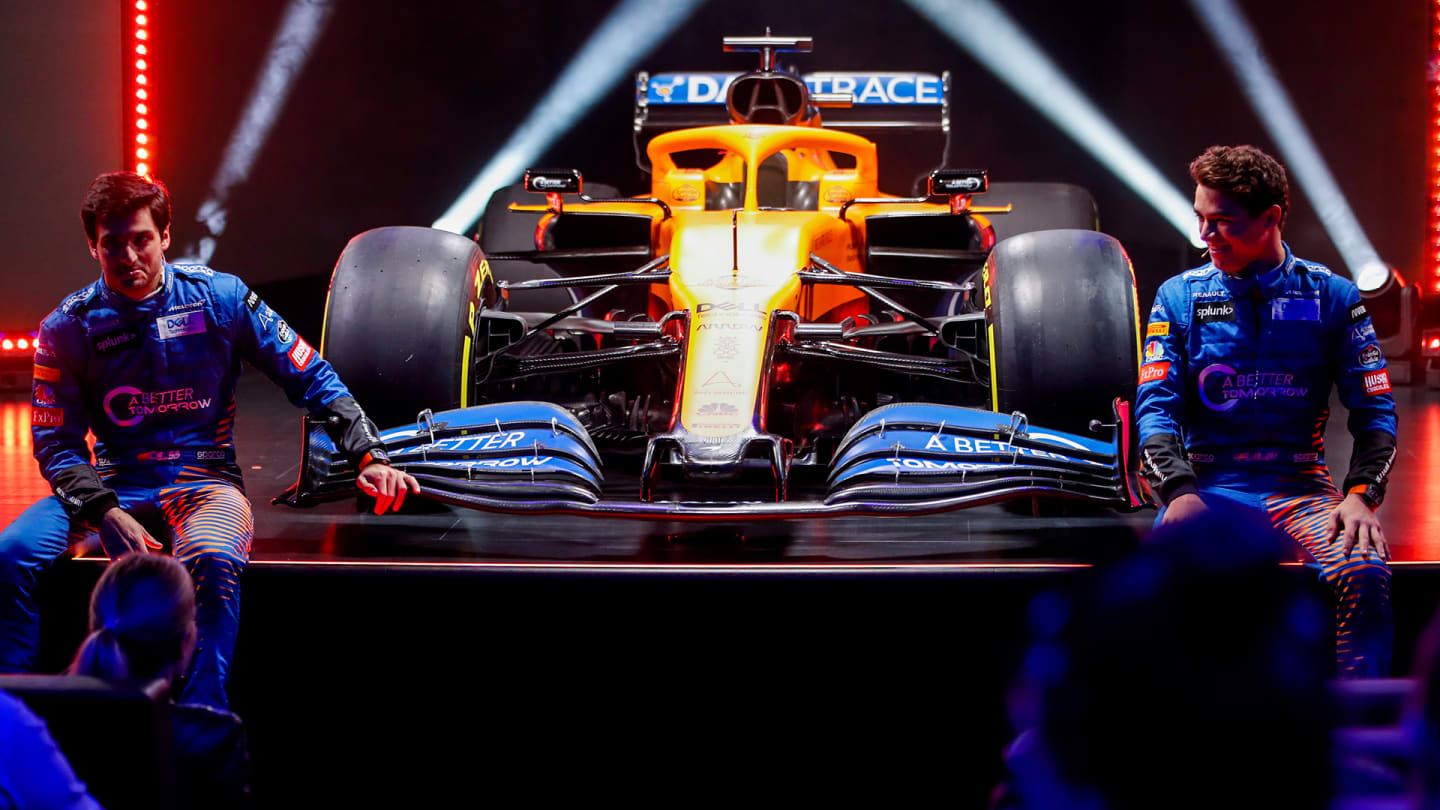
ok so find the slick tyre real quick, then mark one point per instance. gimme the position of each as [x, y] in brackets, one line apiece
[505, 231]
[1063, 328]
[399, 320]
[1040, 207]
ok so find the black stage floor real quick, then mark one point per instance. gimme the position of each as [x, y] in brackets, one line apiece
[463, 655]
[267, 429]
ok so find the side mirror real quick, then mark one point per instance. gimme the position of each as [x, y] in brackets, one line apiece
[554, 181]
[949, 182]
[959, 185]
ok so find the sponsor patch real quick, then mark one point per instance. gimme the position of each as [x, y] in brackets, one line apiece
[209, 455]
[174, 326]
[117, 341]
[1154, 372]
[300, 354]
[1158, 329]
[1209, 295]
[184, 307]
[864, 88]
[1154, 351]
[44, 395]
[1358, 314]
[1295, 309]
[283, 333]
[1204, 458]
[1361, 334]
[128, 406]
[717, 409]
[1221, 387]
[1214, 312]
[720, 380]
[1377, 382]
[47, 417]
[47, 373]
[726, 347]
[252, 300]
[1371, 356]
[1197, 272]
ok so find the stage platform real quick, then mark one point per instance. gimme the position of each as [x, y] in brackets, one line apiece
[422, 653]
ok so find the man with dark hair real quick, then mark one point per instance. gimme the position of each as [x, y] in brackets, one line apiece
[147, 358]
[1240, 358]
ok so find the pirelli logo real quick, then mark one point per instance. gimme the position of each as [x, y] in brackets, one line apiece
[1154, 372]
[1377, 382]
[1158, 329]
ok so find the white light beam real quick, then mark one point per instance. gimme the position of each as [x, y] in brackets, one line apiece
[289, 50]
[631, 31]
[1235, 38]
[981, 28]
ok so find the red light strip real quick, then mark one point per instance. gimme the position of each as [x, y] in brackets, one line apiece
[135, 55]
[1433, 162]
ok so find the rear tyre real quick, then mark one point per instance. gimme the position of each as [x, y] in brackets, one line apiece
[399, 320]
[1063, 327]
[506, 231]
[1040, 207]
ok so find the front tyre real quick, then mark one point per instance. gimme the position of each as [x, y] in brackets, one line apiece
[1063, 327]
[399, 320]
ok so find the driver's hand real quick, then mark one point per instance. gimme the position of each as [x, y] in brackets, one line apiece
[1184, 507]
[121, 534]
[386, 485]
[1360, 527]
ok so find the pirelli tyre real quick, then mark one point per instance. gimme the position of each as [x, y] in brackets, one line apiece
[1040, 207]
[505, 231]
[399, 320]
[1062, 328]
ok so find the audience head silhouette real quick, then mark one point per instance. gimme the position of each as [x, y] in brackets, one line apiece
[142, 621]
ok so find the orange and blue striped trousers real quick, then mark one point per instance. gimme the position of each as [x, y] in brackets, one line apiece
[1300, 506]
[201, 514]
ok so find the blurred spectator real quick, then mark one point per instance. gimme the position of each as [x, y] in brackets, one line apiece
[33, 771]
[1422, 719]
[142, 629]
[1191, 674]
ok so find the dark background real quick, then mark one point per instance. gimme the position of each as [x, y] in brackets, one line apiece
[399, 108]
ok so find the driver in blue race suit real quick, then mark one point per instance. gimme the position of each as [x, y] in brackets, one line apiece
[1240, 357]
[146, 358]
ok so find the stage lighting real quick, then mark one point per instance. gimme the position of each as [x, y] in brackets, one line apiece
[1430, 343]
[625, 37]
[289, 50]
[1235, 39]
[994, 40]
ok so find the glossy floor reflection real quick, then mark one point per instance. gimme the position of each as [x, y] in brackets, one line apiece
[268, 437]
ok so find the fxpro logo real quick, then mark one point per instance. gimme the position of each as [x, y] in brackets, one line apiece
[127, 406]
[1222, 388]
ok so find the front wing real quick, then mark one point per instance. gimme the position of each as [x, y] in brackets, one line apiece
[904, 458]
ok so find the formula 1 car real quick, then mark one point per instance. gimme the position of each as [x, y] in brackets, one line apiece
[765, 334]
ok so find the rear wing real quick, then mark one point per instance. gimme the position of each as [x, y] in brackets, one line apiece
[917, 102]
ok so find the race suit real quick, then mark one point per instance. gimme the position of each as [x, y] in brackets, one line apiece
[154, 380]
[1233, 399]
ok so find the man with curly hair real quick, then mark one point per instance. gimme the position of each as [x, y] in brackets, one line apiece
[1240, 358]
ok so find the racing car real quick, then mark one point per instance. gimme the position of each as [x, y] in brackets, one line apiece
[764, 334]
